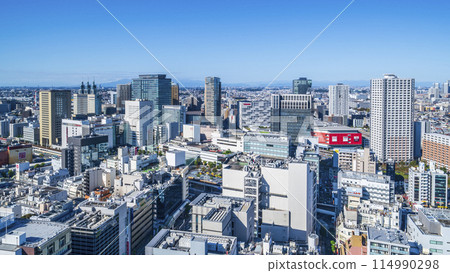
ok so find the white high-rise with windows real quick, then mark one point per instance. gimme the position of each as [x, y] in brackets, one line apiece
[139, 122]
[338, 95]
[391, 121]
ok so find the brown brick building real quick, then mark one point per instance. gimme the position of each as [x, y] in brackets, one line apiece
[436, 147]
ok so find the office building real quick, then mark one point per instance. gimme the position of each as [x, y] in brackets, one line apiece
[16, 129]
[99, 126]
[54, 106]
[376, 188]
[174, 242]
[431, 230]
[420, 129]
[100, 229]
[268, 145]
[292, 115]
[4, 128]
[213, 97]
[446, 88]
[391, 108]
[84, 152]
[139, 122]
[427, 187]
[338, 99]
[434, 91]
[80, 104]
[283, 193]
[174, 113]
[156, 88]
[123, 94]
[175, 94]
[254, 114]
[301, 86]
[222, 215]
[436, 147]
[382, 241]
[30, 237]
[31, 133]
[191, 132]
[356, 160]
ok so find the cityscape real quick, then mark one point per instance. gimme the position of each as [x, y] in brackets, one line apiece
[147, 164]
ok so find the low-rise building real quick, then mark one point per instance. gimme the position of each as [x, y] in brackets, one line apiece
[382, 241]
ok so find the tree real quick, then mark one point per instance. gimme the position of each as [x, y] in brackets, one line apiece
[11, 173]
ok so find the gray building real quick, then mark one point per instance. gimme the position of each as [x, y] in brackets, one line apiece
[292, 115]
[174, 242]
[382, 241]
[213, 96]
[268, 145]
[156, 88]
[31, 133]
[123, 94]
[301, 85]
[420, 128]
[84, 152]
[174, 113]
[338, 103]
[254, 114]
[222, 215]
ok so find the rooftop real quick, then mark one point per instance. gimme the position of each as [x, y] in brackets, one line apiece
[37, 232]
[391, 236]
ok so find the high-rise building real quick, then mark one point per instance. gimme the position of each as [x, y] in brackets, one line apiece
[80, 104]
[54, 106]
[301, 85]
[436, 147]
[420, 129]
[139, 122]
[338, 95]
[174, 113]
[156, 88]
[175, 94]
[123, 94]
[292, 115]
[84, 152]
[446, 88]
[435, 91]
[213, 95]
[391, 128]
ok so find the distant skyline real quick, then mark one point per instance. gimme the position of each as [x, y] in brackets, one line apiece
[57, 43]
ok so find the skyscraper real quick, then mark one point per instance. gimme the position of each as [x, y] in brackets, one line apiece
[175, 94]
[54, 106]
[123, 94]
[139, 122]
[213, 95]
[292, 115]
[338, 95]
[156, 88]
[446, 88]
[94, 101]
[301, 85]
[391, 121]
[420, 129]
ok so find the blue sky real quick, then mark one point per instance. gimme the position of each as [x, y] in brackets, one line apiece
[64, 42]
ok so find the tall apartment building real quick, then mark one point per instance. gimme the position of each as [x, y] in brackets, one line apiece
[139, 122]
[213, 97]
[301, 85]
[54, 105]
[446, 88]
[156, 88]
[427, 187]
[292, 115]
[123, 94]
[391, 128]
[436, 147]
[175, 94]
[254, 114]
[283, 193]
[338, 99]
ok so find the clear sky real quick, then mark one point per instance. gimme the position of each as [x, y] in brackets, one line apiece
[55, 42]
